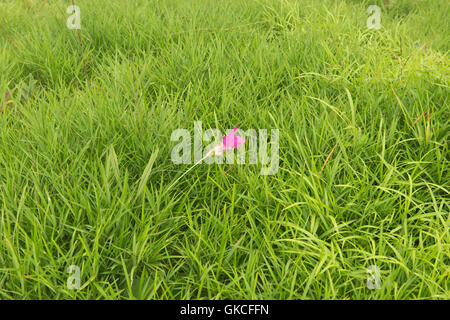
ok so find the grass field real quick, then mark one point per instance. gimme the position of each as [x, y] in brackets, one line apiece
[85, 157]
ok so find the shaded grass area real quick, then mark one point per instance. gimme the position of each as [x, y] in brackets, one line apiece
[364, 129]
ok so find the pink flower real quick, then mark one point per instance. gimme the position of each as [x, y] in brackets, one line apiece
[229, 142]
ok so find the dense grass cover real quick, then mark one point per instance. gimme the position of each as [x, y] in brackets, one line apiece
[85, 166]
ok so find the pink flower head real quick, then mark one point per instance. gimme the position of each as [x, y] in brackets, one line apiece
[229, 142]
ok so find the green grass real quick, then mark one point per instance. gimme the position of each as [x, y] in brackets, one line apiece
[84, 174]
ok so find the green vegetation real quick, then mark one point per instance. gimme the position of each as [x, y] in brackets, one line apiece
[364, 137]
